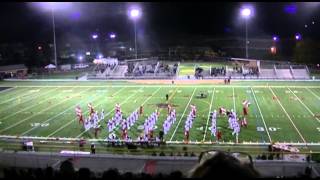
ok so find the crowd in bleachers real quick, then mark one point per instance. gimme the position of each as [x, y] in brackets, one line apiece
[130, 67]
[237, 69]
[165, 68]
[175, 68]
[67, 171]
[150, 68]
[220, 164]
[251, 71]
[143, 69]
[215, 71]
[198, 73]
[102, 67]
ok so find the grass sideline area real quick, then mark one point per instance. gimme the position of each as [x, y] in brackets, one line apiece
[60, 75]
[280, 111]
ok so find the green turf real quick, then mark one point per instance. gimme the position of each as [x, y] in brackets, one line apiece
[284, 110]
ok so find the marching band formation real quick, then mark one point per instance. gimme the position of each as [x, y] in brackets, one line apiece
[124, 124]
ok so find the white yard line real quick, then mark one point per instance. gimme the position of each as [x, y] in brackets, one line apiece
[15, 124]
[185, 109]
[17, 97]
[28, 99]
[151, 96]
[261, 115]
[9, 89]
[234, 101]
[29, 107]
[305, 106]
[63, 112]
[288, 116]
[313, 93]
[205, 133]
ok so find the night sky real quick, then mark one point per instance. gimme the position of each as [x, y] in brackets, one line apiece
[23, 22]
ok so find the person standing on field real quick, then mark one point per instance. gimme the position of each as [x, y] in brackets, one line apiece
[219, 135]
[141, 110]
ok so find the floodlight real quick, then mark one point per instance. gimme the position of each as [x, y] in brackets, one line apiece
[245, 12]
[94, 36]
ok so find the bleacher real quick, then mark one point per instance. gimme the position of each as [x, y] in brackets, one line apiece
[104, 67]
[267, 74]
[237, 68]
[150, 68]
[300, 72]
[120, 71]
[283, 74]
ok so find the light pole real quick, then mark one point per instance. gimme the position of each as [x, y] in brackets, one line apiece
[54, 38]
[273, 48]
[135, 38]
[135, 14]
[245, 13]
[94, 47]
[53, 6]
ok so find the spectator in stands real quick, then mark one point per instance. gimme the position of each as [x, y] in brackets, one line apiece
[67, 170]
[111, 174]
[49, 173]
[84, 173]
[175, 175]
[223, 165]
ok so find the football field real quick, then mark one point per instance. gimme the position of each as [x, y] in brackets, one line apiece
[279, 112]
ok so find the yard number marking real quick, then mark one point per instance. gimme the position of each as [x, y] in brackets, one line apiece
[39, 124]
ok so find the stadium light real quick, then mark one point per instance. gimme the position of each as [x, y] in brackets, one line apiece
[298, 36]
[112, 35]
[135, 14]
[275, 38]
[100, 56]
[94, 36]
[80, 58]
[88, 53]
[246, 14]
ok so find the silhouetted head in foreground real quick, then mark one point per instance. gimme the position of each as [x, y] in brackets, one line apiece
[223, 165]
[67, 169]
